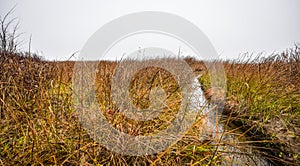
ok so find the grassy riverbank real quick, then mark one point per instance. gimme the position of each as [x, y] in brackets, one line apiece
[263, 98]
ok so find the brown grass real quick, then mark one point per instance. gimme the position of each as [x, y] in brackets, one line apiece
[39, 125]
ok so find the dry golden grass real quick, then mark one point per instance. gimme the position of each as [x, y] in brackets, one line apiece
[39, 125]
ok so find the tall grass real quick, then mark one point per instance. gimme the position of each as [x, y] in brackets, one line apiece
[38, 124]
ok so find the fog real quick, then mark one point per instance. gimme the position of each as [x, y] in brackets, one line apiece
[60, 28]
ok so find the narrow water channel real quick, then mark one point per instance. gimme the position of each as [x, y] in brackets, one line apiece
[230, 142]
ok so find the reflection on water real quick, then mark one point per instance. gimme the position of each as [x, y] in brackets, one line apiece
[231, 143]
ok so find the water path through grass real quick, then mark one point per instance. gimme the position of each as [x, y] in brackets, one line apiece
[230, 142]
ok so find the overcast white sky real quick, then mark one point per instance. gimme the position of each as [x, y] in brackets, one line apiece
[61, 27]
